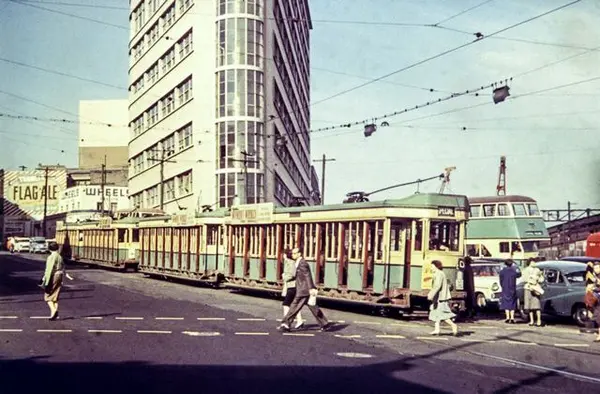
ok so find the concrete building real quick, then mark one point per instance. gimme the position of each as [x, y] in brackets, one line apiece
[219, 103]
[89, 198]
[103, 133]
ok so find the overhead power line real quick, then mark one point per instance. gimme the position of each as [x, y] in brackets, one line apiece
[463, 12]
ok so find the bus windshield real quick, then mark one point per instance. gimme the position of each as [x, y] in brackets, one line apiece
[533, 210]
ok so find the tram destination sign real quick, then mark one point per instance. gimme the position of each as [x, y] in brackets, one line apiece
[252, 213]
[446, 211]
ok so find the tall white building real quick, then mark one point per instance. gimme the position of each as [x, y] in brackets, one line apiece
[219, 103]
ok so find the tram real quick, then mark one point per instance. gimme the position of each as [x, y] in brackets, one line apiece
[505, 227]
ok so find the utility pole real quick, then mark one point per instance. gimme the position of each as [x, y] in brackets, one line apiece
[102, 183]
[163, 159]
[46, 170]
[245, 162]
[323, 161]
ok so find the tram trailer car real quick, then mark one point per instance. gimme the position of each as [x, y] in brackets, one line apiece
[371, 252]
[105, 242]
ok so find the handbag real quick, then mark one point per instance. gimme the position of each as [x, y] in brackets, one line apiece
[590, 300]
[537, 290]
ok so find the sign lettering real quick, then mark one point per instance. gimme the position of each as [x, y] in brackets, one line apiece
[34, 192]
[446, 211]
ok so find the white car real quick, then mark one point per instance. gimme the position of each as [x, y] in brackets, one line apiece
[20, 244]
[486, 273]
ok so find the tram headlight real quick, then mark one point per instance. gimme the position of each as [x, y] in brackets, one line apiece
[495, 287]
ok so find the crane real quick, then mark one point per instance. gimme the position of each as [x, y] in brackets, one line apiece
[501, 186]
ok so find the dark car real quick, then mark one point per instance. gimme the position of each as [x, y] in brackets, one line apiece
[564, 290]
[581, 259]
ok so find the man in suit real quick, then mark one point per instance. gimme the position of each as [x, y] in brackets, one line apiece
[305, 287]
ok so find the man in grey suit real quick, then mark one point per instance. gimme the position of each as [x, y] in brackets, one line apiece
[305, 287]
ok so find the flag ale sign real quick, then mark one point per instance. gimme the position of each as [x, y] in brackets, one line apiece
[27, 191]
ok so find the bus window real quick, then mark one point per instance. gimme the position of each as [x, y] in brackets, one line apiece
[489, 210]
[475, 211]
[473, 250]
[444, 235]
[516, 246]
[503, 210]
[533, 210]
[519, 210]
[530, 246]
[504, 247]
[485, 252]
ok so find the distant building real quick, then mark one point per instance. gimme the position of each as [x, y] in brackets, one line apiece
[219, 103]
[103, 133]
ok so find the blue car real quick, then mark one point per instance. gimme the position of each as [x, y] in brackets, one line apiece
[564, 290]
[38, 245]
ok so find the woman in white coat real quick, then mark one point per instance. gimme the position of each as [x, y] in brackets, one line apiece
[440, 300]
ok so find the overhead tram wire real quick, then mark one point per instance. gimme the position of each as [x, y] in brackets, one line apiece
[463, 12]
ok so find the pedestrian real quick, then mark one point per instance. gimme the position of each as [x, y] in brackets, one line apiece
[439, 295]
[53, 278]
[592, 296]
[305, 288]
[289, 286]
[533, 278]
[508, 281]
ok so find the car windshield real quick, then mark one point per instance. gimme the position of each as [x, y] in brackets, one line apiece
[487, 270]
[575, 277]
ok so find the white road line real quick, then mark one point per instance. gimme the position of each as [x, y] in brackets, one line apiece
[481, 327]
[433, 338]
[129, 318]
[250, 319]
[8, 317]
[298, 334]
[210, 318]
[558, 371]
[477, 340]
[169, 318]
[54, 330]
[341, 321]
[106, 331]
[153, 332]
[201, 334]
[11, 330]
[93, 317]
[390, 336]
[251, 333]
[571, 345]
[368, 322]
[521, 343]
[347, 336]
[518, 329]
[406, 325]
[39, 317]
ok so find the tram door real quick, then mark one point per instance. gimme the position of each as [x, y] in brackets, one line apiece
[399, 233]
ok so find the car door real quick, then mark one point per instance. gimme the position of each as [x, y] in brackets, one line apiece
[555, 290]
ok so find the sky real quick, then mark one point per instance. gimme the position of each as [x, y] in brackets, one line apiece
[550, 138]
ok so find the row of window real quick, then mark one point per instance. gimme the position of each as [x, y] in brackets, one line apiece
[183, 47]
[230, 185]
[174, 99]
[282, 193]
[176, 142]
[291, 132]
[176, 187]
[239, 93]
[252, 7]
[285, 156]
[235, 137]
[146, 9]
[491, 210]
[240, 41]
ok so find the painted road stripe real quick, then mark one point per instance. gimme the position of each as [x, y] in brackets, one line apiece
[367, 322]
[250, 319]
[477, 340]
[93, 317]
[8, 317]
[11, 330]
[153, 332]
[481, 327]
[406, 325]
[169, 318]
[297, 334]
[251, 333]
[433, 338]
[390, 336]
[106, 331]
[210, 318]
[39, 317]
[341, 321]
[201, 334]
[557, 371]
[347, 336]
[54, 330]
[519, 329]
[521, 343]
[571, 345]
[129, 318]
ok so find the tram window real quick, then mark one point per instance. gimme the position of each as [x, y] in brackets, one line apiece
[121, 234]
[489, 210]
[136, 235]
[533, 210]
[530, 246]
[516, 247]
[473, 250]
[395, 237]
[444, 236]
[503, 210]
[475, 211]
[519, 210]
[504, 248]
[418, 235]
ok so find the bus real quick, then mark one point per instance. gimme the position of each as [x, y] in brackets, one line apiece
[592, 245]
[505, 227]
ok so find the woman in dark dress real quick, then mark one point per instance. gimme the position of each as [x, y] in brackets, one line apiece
[508, 282]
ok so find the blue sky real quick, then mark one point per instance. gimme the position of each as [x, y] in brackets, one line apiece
[550, 139]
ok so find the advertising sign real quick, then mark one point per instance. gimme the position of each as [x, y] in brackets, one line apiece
[252, 213]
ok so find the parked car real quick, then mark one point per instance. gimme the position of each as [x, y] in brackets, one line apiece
[486, 276]
[581, 259]
[38, 245]
[20, 244]
[564, 290]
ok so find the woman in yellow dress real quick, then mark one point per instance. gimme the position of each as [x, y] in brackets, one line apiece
[53, 278]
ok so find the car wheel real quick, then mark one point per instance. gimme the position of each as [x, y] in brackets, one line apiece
[580, 314]
[480, 300]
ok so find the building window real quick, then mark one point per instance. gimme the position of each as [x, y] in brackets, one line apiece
[184, 184]
[169, 189]
[168, 17]
[153, 115]
[185, 91]
[168, 145]
[167, 104]
[152, 196]
[185, 137]
[185, 45]
[168, 60]
[282, 193]
[138, 125]
[138, 164]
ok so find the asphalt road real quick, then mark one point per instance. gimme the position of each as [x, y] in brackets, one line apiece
[122, 333]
